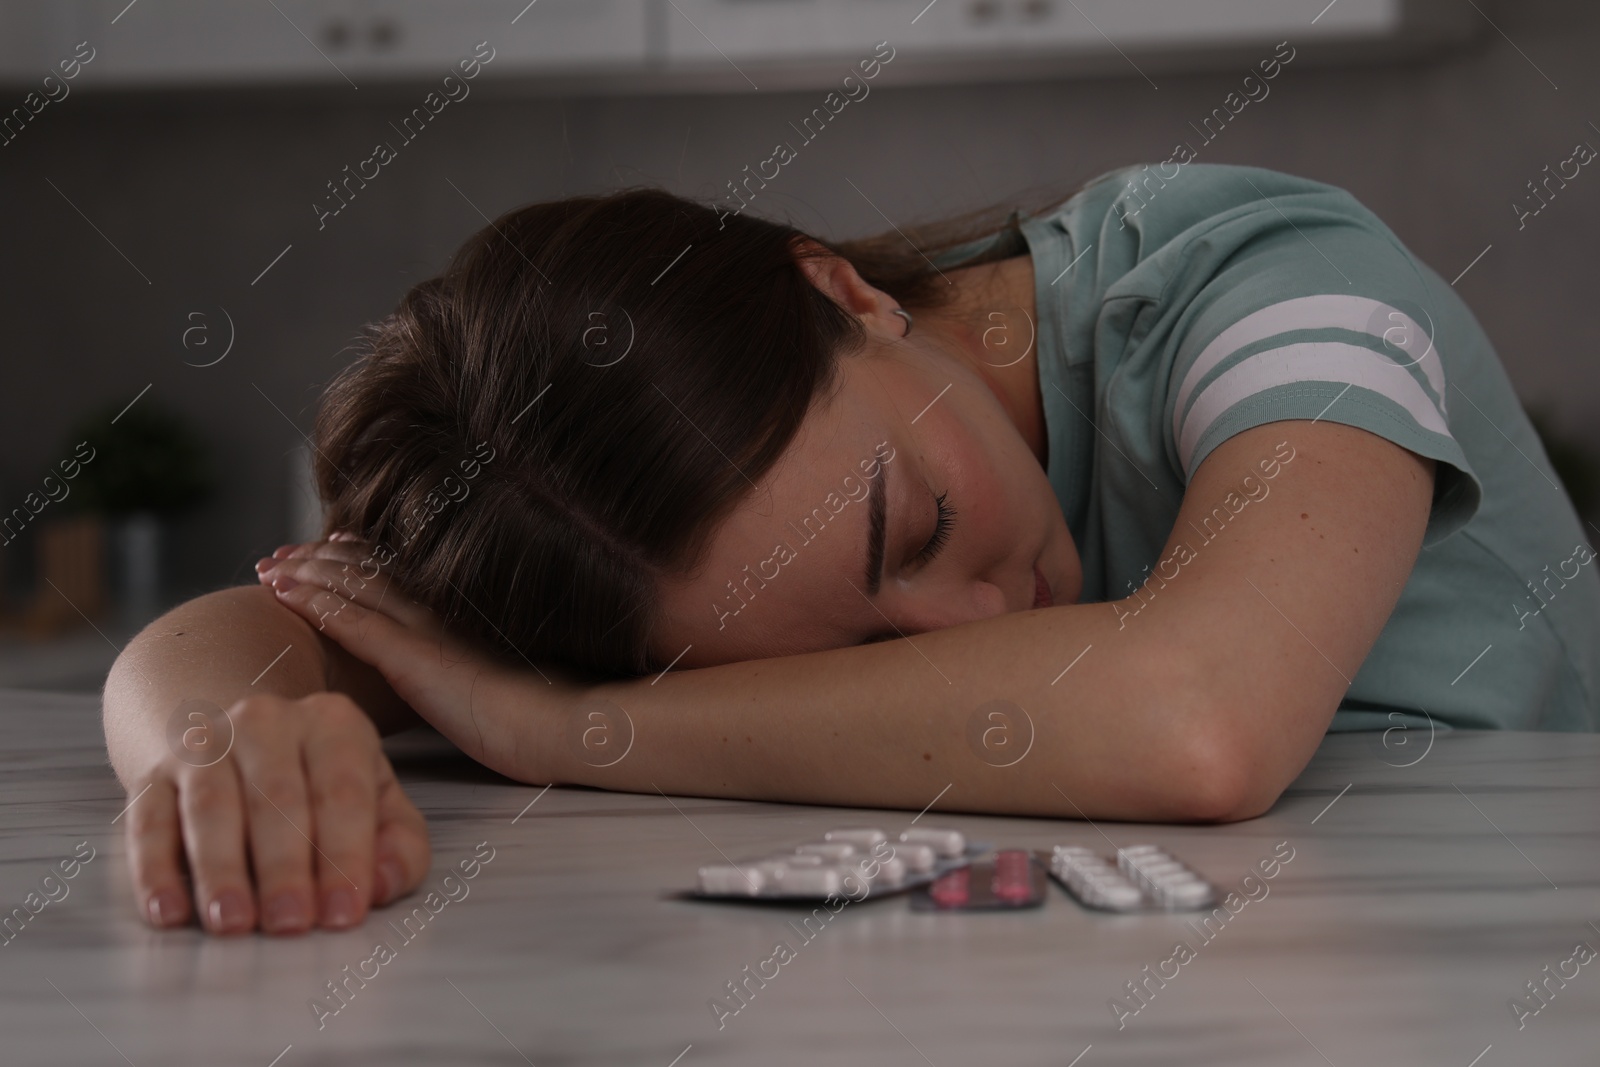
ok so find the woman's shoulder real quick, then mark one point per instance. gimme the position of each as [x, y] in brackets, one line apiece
[1148, 207]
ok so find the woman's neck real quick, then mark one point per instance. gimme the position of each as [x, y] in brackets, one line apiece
[993, 322]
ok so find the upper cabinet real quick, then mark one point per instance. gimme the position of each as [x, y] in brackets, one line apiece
[219, 42]
[711, 45]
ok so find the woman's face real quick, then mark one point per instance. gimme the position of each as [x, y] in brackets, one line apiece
[799, 567]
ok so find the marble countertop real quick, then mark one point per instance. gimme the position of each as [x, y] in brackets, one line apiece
[1428, 887]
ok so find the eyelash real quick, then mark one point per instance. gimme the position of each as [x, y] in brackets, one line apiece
[941, 534]
[941, 531]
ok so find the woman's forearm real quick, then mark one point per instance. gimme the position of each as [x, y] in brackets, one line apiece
[212, 649]
[218, 649]
[1064, 711]
[990, 710]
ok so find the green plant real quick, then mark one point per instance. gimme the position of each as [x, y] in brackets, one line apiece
[146, 459]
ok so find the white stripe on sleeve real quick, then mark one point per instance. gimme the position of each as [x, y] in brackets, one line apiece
[1320, 361]
[1396, 329]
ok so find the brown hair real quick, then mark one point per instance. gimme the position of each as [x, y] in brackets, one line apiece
[602, 379]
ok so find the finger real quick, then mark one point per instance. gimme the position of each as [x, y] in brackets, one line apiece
[155, 855]
[404, 655]
[341, 548]
[352, 552]
[360, 585]
[402, 853]
[344, 792]
[278, 813]
[356, 553]
[213, 838]
[294, 549]
[301, 550]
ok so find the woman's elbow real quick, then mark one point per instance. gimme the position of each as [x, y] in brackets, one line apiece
[1220, 783]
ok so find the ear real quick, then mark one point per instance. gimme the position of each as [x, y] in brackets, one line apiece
[835, 276]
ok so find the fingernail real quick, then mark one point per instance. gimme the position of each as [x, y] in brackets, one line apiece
[228, 911]
[339, 908]
[391, 876]
[283, 583]
[166, 908]
[284, 911]
[283, 550]
[265, 563]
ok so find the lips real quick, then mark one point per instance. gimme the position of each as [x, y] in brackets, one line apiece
[1041, 589]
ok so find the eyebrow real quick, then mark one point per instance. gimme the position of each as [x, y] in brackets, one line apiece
[876, 509]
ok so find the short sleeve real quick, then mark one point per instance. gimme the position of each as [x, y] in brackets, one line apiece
[1298, 303]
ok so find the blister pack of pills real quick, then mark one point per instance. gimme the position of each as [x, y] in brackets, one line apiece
[854, 862]
[1144, 878]
[1008, 880]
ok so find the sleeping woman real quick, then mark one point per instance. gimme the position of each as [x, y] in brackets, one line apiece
[1110, 511]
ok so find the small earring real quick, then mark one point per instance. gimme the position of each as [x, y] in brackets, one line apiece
[904, 314]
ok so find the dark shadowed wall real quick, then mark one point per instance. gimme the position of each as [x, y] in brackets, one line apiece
[201, 191]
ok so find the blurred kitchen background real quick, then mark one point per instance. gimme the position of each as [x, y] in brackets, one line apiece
[175, 289]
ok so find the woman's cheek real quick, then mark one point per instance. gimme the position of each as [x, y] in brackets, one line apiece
[986, 494]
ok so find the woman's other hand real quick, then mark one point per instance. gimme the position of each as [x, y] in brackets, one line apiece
[278, 814]
[480, 703]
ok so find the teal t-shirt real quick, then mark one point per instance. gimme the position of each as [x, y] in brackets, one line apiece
[1178, 307]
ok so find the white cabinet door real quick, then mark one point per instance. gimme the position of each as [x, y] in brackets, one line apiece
[262, 41]
[630, 45]
[707, 30]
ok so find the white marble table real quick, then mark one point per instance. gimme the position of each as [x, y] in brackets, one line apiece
[1419, 902]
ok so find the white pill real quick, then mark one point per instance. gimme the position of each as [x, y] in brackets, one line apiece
[856, 835]
[1195, 894]
[832, 850]
[794, 859]
[890, 871]
[1100, 876]
[1120, 897]
[819, 881]
[919, 859]
[732, 880]
[1157, 870]
[947, 843]
[1098, 885]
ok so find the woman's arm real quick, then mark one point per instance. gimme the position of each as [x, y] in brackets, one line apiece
[222, 726]
[216, 647]
[1201, 700]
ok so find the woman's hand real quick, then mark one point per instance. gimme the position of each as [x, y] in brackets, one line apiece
[279, 813]
[487, 708]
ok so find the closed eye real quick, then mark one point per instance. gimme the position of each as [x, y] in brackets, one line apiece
[943, 522]
[941, 531]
